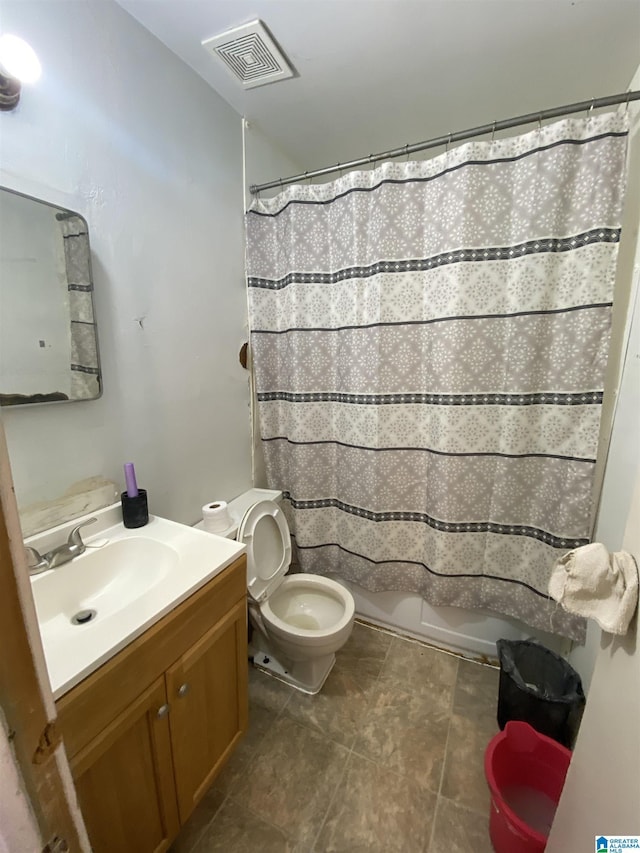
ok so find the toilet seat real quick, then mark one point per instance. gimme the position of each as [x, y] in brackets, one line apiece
[264, 531]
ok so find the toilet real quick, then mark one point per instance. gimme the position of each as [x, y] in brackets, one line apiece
[299, 621]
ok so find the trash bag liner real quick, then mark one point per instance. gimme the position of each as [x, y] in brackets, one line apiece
[540, 688]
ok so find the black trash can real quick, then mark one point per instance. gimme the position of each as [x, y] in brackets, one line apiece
[541, 688]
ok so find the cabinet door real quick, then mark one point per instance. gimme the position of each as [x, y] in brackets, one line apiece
[124, 780]
[207, 690]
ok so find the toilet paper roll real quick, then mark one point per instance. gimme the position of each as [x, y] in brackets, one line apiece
[216, 517]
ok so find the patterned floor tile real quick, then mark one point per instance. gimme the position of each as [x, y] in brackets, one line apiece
[365, 651]
[419, 667]
[338, 711]
[200, 819]
[476, 691]
[375, 811]
[267, 691]
[464, 780]
[407, 733]
[236, 830]
[260, 721]
[418, 721]
[459, 830]
[293, 778]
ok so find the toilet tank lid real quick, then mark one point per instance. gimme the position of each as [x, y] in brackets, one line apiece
[240, 504]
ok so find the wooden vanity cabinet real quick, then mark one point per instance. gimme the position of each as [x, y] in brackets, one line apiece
[124, 779]
[207, 707]
[148, 732]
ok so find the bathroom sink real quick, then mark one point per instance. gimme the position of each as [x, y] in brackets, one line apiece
[104, 580]
[91, 607]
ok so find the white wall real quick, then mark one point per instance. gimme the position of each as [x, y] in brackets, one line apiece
[263, 161]
[623, 374]
[602, 791]
[121, 131]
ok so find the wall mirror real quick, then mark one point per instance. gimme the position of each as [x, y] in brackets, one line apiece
[48, 341]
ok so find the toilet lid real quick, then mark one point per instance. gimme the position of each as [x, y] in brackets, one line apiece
[265, 532]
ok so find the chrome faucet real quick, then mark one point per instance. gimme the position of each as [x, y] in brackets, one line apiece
[73, 547]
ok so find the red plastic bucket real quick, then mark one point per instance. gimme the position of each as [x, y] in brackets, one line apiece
[526, 772]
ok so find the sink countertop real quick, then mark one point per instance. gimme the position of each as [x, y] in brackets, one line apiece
[190, 558]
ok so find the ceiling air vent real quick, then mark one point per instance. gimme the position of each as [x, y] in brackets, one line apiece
[251, 54]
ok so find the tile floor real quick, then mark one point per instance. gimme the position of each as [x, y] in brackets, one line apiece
[387, 757]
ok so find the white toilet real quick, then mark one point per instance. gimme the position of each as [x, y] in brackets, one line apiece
[300, 621]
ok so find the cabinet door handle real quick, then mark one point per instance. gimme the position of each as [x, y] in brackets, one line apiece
[163, 710]
[183, 689]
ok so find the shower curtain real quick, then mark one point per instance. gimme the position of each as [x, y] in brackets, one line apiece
[429, 343]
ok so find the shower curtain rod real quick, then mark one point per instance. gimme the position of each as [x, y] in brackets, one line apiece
[448, 138]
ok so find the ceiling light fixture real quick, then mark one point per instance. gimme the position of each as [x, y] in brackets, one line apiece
[18, 64]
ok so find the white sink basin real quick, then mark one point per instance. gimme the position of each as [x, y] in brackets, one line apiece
[106, 580]
[124, 582]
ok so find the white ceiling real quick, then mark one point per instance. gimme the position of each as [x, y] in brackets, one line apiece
[376, 74]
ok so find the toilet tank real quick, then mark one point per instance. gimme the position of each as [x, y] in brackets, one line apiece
[238, 506]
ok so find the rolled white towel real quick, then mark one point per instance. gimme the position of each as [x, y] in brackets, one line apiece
[601, 586]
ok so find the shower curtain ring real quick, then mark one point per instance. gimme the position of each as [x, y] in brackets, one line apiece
[446, 150]
[539, 122]
[306, 176]
[626, 109]
[339, 168]
[406, 147]
[493, 132]
[280, 182]
[590, 110]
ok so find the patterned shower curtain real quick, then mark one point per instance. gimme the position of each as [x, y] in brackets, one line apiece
[429, 343]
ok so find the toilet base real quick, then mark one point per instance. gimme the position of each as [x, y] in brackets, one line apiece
[307, 676]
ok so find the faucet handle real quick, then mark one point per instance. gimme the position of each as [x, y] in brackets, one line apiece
[74, 536]
[36, 563]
